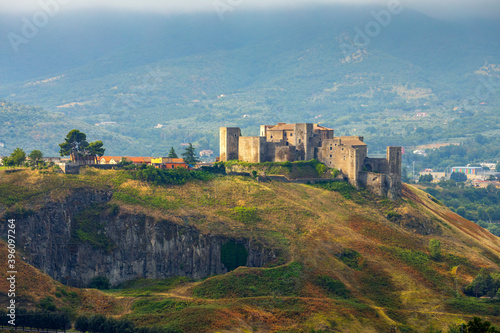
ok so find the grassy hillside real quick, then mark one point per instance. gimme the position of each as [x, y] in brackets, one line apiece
[349, 261]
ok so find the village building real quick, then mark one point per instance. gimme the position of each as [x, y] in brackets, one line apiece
[117, 159]
[169, 163]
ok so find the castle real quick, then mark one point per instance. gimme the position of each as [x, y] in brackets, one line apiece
[302, 142]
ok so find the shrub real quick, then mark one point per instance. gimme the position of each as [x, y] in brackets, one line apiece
[99, 282]
[321, 169]
[334, 287]
[435, 249]
[47, 304]
[352, 259]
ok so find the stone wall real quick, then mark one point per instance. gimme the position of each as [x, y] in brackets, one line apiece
[252, 149]
[374, 182]
[380, 165]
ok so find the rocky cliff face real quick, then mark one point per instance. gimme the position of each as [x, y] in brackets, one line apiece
[120, 246]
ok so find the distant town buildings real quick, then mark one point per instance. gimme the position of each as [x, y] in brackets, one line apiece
[420, 152]
[479, 176]
[436, 176]
[206, 153]
[169, 163]
[467, 170]
[106, 123]
[485, 183]
[160, 162]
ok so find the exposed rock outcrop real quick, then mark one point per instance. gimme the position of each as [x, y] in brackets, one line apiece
[136, 245]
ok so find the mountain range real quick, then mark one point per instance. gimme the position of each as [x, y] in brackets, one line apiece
[145, 82]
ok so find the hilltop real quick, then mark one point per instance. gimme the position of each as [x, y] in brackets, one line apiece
[325, 257]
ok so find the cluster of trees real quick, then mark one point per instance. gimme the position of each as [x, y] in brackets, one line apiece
[457, 177]
[177, 176]
[425, 178]
[476, 325]
[484, 284]
[76, 145]
[100, 324]
[45, 320]
[38, 319]
[480, 205]
[18, 158]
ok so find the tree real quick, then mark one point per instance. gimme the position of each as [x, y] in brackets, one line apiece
[96, 149]
[172, 153]
[435, 248]
[481, 213]
[476, 325]
[125, 326]
[498, 167]
[190, 156]
[16, 158]
[35, 157]
[75, 145]
[461, 211]
[96, 323]
[458, 176]
[99, 282]
[82, 324]
[492, 214]
[111, 325]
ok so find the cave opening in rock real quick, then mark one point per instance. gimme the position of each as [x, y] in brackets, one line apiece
[233, 255]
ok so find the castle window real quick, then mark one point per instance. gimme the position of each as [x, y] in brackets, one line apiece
[287, 143]
[291, 134]
[330, 156]
[300, 140]
[342, 149]
[271, 136]
[330, 148]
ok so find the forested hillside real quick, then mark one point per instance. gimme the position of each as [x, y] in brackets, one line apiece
[419, 80]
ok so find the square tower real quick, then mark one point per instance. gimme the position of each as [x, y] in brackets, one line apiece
[304, 141]
[229, 142]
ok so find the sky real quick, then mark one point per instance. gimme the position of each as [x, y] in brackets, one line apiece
[446, 9]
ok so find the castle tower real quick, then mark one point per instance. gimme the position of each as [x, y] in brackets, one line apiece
[229, 142]
[304, 141]
[394, 158]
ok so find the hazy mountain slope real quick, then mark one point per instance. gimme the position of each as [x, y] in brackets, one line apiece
[30, 127]
[195, 73]
[352, 261]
